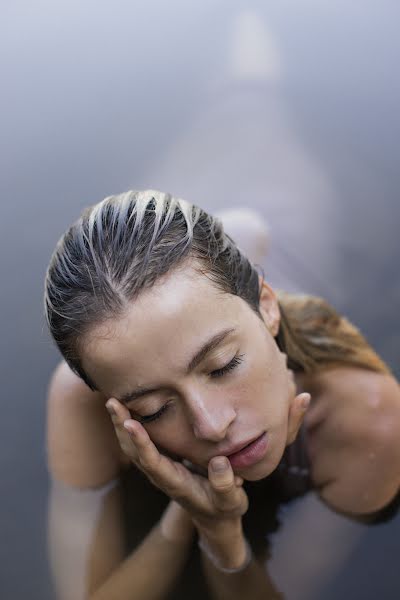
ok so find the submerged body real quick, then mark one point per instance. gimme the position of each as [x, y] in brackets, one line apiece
[164, 322]
[344, 450]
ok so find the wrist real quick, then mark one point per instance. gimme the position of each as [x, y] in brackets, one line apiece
[219, 529]
[176, 525]
[229, 558]
[225, 545]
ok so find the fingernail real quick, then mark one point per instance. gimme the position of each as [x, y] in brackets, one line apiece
[219, 464]
[110, 408]
[305, 401]
[128, 426]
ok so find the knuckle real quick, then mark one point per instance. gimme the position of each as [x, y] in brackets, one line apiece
[174, 493]
[223, 482]
[145, 463]
[126, 449]
[224, 487]
[225, 504]
[125, 443]
[148, 461]
[235, 505]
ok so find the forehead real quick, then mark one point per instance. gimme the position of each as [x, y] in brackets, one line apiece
[161, 327]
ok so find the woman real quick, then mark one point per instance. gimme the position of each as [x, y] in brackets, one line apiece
[207, 375]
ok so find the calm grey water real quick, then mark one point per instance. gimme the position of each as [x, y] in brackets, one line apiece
[290, 108]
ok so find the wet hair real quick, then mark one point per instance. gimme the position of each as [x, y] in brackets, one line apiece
[122, 246]
[126, 243]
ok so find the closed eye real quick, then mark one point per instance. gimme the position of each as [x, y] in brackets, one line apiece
[231, 365]
[217, 373]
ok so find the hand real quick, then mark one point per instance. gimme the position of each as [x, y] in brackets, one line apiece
[218, 498]
[297, 411]
[298, 404]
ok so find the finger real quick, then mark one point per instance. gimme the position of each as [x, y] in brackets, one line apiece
[170, 476]
[223, 487]
[119, 413]
[297, 413]
[147, 453]
[195, 468]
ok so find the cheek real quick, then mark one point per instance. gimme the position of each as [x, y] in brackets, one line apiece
[267, 385]
[174, 439]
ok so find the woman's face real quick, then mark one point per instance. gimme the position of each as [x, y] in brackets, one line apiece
[196, 409]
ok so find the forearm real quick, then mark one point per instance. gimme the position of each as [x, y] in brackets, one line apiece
[252, 582]
[152, 568]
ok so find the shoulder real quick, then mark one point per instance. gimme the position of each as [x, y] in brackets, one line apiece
[354, 428]
[369, 398]
[82, 448]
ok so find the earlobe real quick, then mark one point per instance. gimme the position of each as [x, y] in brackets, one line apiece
[269, 307]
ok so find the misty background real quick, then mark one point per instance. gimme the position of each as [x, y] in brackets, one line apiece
[289, 108]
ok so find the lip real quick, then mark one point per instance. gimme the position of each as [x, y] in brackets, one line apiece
[238, 447]
[248, 454]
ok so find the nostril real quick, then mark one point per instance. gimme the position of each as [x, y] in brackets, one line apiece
[209, 433]
[210, 420]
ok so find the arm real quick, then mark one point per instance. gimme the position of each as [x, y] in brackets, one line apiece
[227, 547]
[149, 572]
[215, 507]
[87, 555]
[215, 503]
[85, 529]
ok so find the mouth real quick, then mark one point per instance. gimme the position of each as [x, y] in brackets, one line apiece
[250, 453]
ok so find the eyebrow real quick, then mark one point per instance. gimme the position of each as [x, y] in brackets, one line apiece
[200, 355]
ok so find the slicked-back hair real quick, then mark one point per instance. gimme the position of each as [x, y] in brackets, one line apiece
[124, 245]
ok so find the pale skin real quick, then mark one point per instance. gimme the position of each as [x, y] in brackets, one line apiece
[204, 417]
[203, 414]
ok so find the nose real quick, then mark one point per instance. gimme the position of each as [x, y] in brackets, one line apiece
[210, 418]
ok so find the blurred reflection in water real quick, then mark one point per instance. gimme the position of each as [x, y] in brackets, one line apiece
[299, 121]
[245, 149]
[74, 518]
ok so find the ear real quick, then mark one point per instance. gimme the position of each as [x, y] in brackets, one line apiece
[269, 307]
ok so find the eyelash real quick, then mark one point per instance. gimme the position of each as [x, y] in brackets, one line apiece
[214, 374]
[236, 360]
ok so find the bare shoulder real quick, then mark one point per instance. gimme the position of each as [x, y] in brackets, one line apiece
[349, 391]
[353, 431]
[82, 447]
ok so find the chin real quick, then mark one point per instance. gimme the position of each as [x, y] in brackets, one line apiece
[256, 472]
[261, 469]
